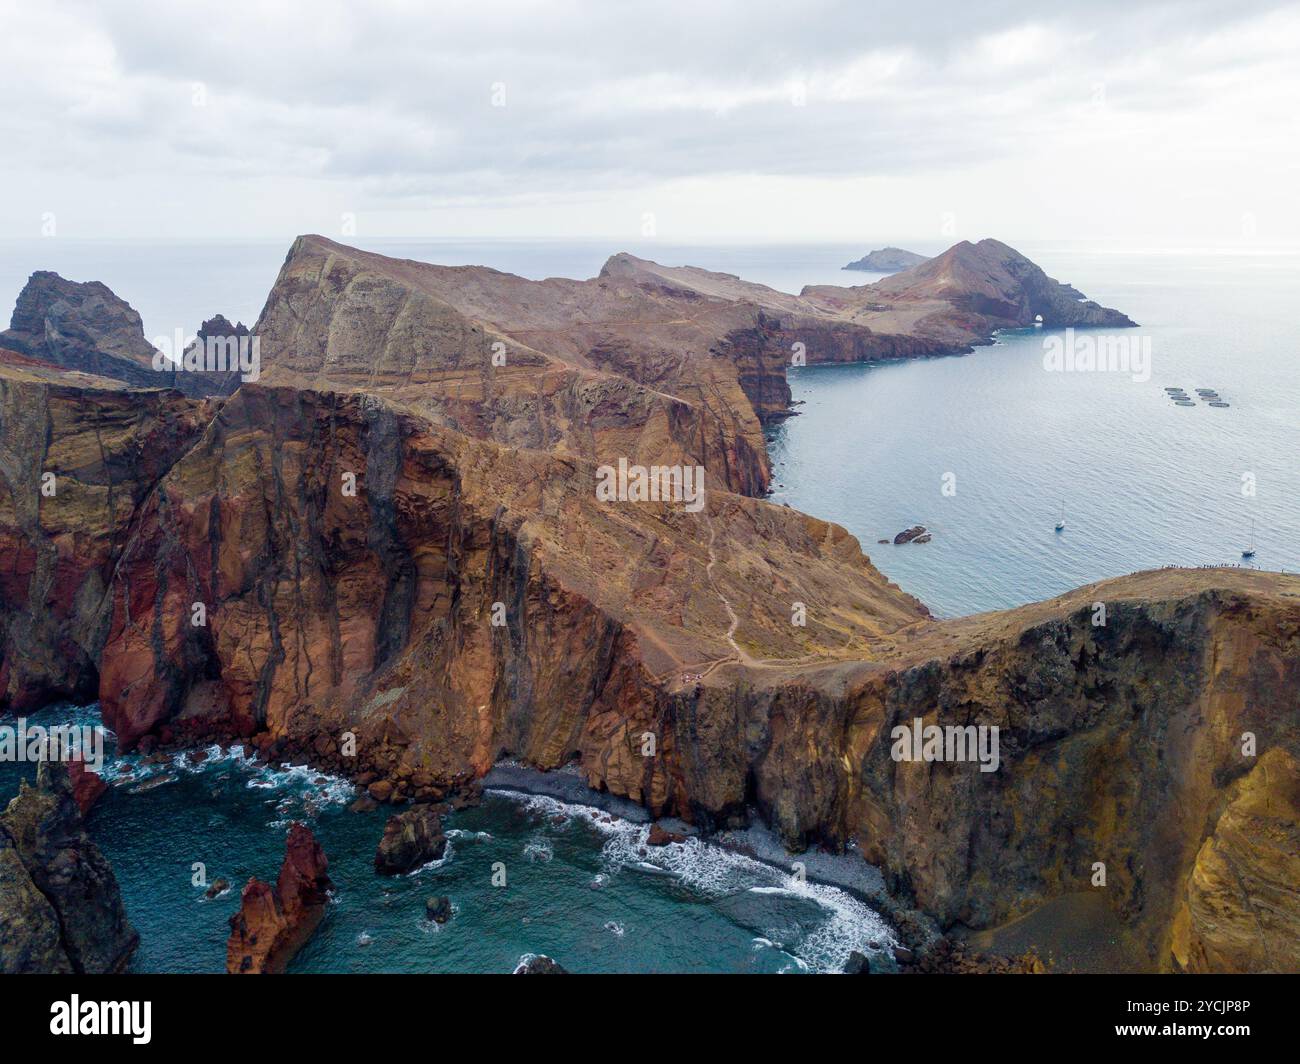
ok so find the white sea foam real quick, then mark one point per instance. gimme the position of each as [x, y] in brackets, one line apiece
[539, 849]
[296, 792]
[712, 872]
[436, 863]
[334, 790]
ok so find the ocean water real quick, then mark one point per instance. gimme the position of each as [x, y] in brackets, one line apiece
[581, 886]
[1143, 483]
[177, 285]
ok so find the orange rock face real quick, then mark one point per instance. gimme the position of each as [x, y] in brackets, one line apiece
[87, 786]
[77, 455]
[391, 561]
[468, 598]
[273, 923]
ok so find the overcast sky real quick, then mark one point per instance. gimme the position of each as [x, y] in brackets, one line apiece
[1128, 121]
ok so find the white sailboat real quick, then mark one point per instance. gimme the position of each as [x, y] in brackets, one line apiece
[1249, 552]
[1060, 525]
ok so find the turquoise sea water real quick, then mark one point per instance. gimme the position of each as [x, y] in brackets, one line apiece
[580, 884]
[1144, 484]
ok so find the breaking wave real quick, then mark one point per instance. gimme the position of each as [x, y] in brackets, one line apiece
[843, 922]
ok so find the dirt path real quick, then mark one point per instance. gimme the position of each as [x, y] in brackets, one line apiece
[741, 656]
[699, 670]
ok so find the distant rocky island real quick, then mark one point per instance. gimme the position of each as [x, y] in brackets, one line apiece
[396, 536]
[887, 260]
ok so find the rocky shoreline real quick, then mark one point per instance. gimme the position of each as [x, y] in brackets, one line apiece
[405, 574]
[60, 907]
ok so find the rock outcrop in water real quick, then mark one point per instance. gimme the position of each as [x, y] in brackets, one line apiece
[274, 923]
[87, 329]
[887, 260]
[60, 907]
[87, 785]
[405, 572]
[916, 532]
[411, 839]
[81, 327]
[972, 290]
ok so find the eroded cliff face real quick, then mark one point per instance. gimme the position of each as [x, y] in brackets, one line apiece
[77, 454]
[381, 569]
[82, 327]
[1237, 913]
[329, 615]
[1123, 744]
[582, 368]
[86, 328]
[325, 611]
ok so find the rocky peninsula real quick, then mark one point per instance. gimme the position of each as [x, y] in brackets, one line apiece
[406, 574]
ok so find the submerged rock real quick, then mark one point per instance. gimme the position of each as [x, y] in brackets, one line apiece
[537, 964]
[411, 839]
[438, 909]
[273, 923]
[60, 906]
[660, 837]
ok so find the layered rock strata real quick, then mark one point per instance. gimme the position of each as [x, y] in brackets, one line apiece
[77, 455]
[404, 575]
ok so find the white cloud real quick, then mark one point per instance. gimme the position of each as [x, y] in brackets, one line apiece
[1121, 119]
